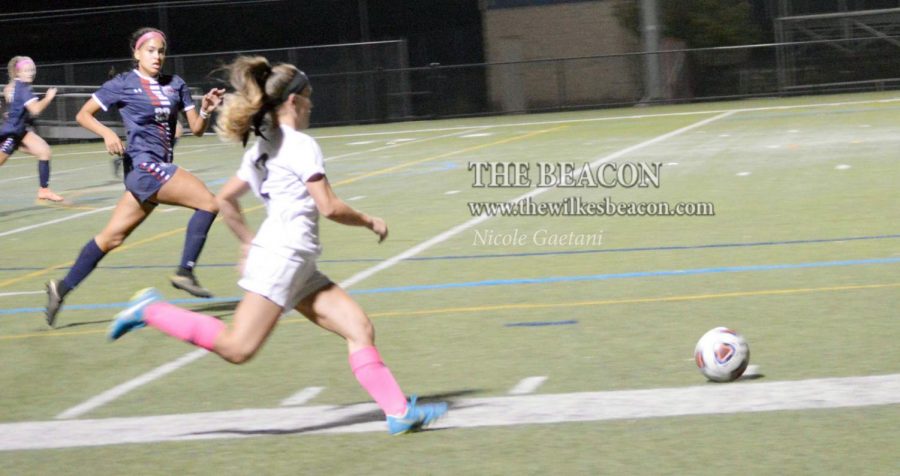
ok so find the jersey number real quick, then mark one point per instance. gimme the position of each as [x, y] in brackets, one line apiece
[161, 114]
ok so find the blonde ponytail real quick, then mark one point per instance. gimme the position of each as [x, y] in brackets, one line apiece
[256, 84]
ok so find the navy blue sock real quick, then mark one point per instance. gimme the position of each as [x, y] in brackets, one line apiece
[44, 172]
[197, 229]
[87, 260]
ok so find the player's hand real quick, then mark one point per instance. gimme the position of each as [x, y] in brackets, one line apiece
[212, 100]
[50, 94]
[379, 227]
[113, 145]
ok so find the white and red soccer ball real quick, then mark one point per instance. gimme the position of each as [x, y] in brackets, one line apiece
[722, 354]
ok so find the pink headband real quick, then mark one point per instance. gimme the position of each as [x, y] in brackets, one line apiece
[148, 36]
[23, 62]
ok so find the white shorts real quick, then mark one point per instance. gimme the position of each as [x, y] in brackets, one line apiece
[282, 280]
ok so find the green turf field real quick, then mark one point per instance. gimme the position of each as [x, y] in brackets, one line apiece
[802, 257]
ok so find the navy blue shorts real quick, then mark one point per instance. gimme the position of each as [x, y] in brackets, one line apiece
[10, 142]
[144, 179]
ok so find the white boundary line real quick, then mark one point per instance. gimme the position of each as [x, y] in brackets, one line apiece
[356, 278]
[615, 118]
[58, 220]
[132, 384]
[527, 385]
[302, 396]
[710, 399]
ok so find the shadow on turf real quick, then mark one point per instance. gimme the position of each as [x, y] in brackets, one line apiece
[224, 308]
[752, 377]
[368, 417]
[35, 208]
[85, 323]
[220, 307]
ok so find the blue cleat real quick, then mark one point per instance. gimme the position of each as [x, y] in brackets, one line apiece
[416, 417]
[133, 317]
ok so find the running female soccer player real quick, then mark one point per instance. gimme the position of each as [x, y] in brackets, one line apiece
[15, 132]
[284, 169]
[149, 103]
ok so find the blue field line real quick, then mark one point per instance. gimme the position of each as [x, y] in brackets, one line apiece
[541, 323]
[218, 181]
[639, 274]
[127, 266]
[510, 282]
[659, 248]
[119, 305]
[519, 255]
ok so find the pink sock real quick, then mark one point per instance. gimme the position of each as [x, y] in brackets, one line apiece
[377, 379]
[198, 329]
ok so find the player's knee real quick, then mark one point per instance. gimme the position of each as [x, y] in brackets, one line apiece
[110, 242]
[362, 332]
[239, 353]
[211, 205]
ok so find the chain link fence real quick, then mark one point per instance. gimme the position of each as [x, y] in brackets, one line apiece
[372, 83]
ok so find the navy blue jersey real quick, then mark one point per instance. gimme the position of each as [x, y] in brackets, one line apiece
[149, 108]
[17, 115]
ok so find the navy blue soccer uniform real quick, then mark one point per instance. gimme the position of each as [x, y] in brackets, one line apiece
[17, 117]
[149, 108]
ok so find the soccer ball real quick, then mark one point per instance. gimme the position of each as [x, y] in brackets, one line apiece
[722, 354]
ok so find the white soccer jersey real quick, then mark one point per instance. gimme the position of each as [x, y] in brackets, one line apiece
[277, 171]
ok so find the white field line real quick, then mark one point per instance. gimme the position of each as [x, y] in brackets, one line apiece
[617, 118]
[87, 152]
[55, 173]
[302, 396]
[709, 399]
[196, 150]
[215, 144]
[527, 385]
[21, 293]
[78, 215]
[399, 144]
[480, 219]
[203, 148]
[130, 385]
[362, 275]
[10, 165]
[51, 222]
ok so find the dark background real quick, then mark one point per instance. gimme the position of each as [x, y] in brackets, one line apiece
[444, 31]
[365, 84]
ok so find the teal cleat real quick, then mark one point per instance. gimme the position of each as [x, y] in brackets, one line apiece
[416, 417]
[133, 317]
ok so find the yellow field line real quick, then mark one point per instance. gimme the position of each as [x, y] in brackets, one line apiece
[50, 333]
[61, 206]
[159, 236]
[505, 307]
[608, 302]
[124, 247]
